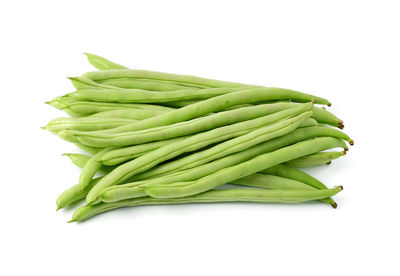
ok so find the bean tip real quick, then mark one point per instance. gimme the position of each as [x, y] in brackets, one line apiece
[43, 127]
[313, 101]
[344, 152]
[351, 143]
[58, 208]
[340, 187]
[323, 108]
[328, 163]
[341, 126]
[72, 220]
[329, 104]
[334, 205]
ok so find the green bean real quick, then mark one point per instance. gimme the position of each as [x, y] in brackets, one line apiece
[316, 159]
[120, 155]
[274, 182]
[234, 145]
[102, 63]
[145, 96]
[104, 139]
[78, 159]
[90, 169]
[86, 123]
[151, 75]
[308, 122]
[152, 85]
[194, 142]
[126, 113]
[81, 159]
[85, 83]
[180, 104]
[74, 194]
[274, 144]
[231, 195]
[254, 165]
[296, 174]
[84, 108]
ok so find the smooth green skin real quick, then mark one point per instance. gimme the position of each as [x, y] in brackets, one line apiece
[216, 104]
[85, 83]
[90, 169]
[192, 143]
[274, 182]
[234, 145]
[274, 144]
[151, 85]
[103, 139]
[151, 75]
[74, 194]
[127, 113]
[316, 159]
[86, 123]
[252, 166]
[102, 63]
[308, 122]
[120, 155]
[231, 195]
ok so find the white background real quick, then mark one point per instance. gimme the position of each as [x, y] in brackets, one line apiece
[346, 51]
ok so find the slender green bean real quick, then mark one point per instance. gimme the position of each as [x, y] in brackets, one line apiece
[104, 139]
[151, 85]
[316, 159]
[102, 63]
[86, 123]
[90, 169]
[81, 159]
[192, 143]
[254, 165]
[274, 182]
[145, 96]
[231, 195]
[127, 113]
[91, 150]
[151, 75]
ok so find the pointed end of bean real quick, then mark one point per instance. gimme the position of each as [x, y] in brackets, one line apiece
[329, 104]
[323, 108]
[43, 127]
[72, 220]
[344, 152]
[341, 126]
[334, 205]
[313, 101]
[340, 187]
[328, 163]
[351, 143]
[58, 208]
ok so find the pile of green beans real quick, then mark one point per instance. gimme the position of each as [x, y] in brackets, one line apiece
[156, 138]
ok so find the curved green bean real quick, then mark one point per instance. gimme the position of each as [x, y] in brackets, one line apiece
[231, 195]
[254, 165]
[151, 75]
[316, 159]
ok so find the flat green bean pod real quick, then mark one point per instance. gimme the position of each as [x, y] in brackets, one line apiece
[231, 195]
[254, 165]
[192, 143]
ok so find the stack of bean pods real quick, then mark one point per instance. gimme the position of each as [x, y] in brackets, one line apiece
[158, 138]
